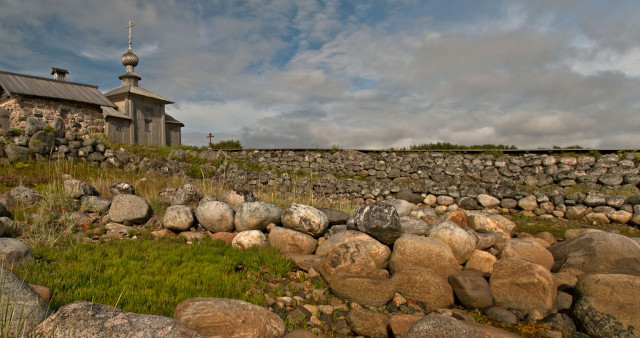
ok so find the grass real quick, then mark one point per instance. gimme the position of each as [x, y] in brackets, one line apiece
[557, 227]
[150, 276]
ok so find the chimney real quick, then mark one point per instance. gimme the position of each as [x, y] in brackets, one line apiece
[59, 73]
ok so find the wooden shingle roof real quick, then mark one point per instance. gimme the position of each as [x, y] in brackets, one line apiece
[20, 84]
[138, 91]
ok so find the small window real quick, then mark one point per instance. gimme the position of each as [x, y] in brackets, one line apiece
[119, 126]
[147, 125]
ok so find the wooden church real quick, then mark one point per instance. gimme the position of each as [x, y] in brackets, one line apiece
[128, 114]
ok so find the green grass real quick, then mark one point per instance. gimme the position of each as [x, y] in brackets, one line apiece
[151, 276]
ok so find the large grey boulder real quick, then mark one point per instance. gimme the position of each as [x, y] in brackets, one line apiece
[78, 188]
[33, 125]
[21, 308]
[24, 195]
[335, 216]
[95, 204]
[234, 198]
[379, 220]
[215, 216]
[178, 218]
[426, 252]
[248, 239]
[58, 127]
[460, 241]
[305, 219]
[424, 285]
[42, 142]
[16, 153]
[187, 194]
[129, 208]
[413, 225]
[409, 196]
[379, 252]
[84, 319]
[13, 252]
[403, 208]
[598, 252]
[256, 216]
[438, 325]
[518, 284]
[291, 241]
[219, 317]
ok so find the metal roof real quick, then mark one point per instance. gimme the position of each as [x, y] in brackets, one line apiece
[108, 111]
[21, 84]
[138, 91]
[169, 119]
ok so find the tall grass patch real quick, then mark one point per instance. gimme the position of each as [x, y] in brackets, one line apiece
[151, 276]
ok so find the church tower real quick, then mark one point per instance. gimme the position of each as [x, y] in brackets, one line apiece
[140, 117]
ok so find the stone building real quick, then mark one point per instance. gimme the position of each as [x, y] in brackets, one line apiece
[128, 114]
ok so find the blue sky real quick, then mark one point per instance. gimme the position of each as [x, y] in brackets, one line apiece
[358, 74]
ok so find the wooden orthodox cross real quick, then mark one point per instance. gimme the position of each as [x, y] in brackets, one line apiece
[129, 26]
[210, 136]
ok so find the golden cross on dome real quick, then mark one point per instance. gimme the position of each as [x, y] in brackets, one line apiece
[129, 26]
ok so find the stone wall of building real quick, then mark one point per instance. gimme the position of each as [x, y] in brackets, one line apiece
[78, 117]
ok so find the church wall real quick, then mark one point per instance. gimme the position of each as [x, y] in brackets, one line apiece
[149, 122]
[118, 130]
[173, 135]
[79, 117]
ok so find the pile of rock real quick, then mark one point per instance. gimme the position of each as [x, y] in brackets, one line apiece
[392, 255]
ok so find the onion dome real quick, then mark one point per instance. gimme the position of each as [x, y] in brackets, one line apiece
[129, 59]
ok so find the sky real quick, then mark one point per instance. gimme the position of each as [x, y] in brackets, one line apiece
[355, 74]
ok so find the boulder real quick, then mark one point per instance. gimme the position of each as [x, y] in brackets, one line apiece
[598, 252]
[349, 259]
[471, 289]
[17, 153]
[192, 236]
[576, 212]
[488, 201]
[518, 284]
[121, 188]
[368, 323]
[379, 220]
[374, 291]
[413, 225]
[424, 285]
[215, 216]
[234, 198]
[33, 125]
[21, 308]
[58, 127]
[178, 218]
[305, 219]
[495, 223]
[248, 239]
[573, 233]
[84, 319]
[4, 212]
[401, 323]
[379, 252]
[335, 216]
[13, 252]
[129, 208]
[425, 252]
[409, 196]
[530, 251]
[528, 203]
[187, 194]
[481, 261]
[95, 204]
[290, 241]
[458, 217]
[256, 216]
[78, 188]
[42, 143]
[403, 208]
[620, 216]
[601, 317]
[25, 196]
[438, 325]
[226, 237]
[228, 318]
[612, 287]
[461, 242]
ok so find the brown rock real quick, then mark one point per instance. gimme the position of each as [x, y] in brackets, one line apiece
[228, 318]
[401, 323]
[471, 289]
[518, 284]
[458, 217]
[304, 262]
[43, 291]
[528, 250]
[162, 233]
[379, 252]
[364, 291]
[424, 285]
[481, 261]
[430, 253]
[612, 287]
[368, 323]
[347, 260]
[226, 237]
[287, 240]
